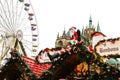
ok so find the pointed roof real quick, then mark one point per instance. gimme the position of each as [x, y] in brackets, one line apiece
[64, 32]
[58, 35]
[90, 18]
[98, 28]
[83, 31]
[90, 22]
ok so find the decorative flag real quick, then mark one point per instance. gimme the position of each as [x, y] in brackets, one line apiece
[72, 42]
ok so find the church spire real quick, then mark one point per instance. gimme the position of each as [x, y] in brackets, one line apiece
[58, 36]
[90, 22]
[83, 31]
[98, 27]
[64, 32]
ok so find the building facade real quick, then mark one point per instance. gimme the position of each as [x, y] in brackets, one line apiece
[62, 41]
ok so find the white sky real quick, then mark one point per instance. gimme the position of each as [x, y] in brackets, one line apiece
[53, 15]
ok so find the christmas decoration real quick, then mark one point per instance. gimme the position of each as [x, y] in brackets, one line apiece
[73, 65]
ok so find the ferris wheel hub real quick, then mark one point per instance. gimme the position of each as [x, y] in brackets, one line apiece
[19, 35]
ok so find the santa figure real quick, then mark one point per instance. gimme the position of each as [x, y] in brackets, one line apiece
[73, 34]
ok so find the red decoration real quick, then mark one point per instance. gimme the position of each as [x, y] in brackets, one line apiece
[75, 36]
[112, 41]
[91, 49]
[36, 68]
[98, 34]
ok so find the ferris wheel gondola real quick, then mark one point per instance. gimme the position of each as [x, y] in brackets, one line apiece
[18, 28]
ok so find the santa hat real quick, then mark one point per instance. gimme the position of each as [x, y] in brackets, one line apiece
[73, 28]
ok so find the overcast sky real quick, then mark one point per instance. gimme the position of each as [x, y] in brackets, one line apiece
[55, 15]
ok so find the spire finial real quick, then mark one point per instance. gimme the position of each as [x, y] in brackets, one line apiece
[64, 30]
[98, 27]
[90, 22]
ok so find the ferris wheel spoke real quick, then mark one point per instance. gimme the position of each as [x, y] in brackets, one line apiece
[17, 13]
[8, 5]
[25, 28]
[26, 42]
[24, 24]
[20, 16]
[3, 27]
[6, 24]
[3, 47]
[14, 12]
[28, 48]
[5, 15]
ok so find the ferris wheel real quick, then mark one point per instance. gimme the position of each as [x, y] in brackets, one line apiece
[18, 28]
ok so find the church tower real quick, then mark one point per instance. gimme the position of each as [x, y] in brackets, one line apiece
[89, 30]
[62, 41]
